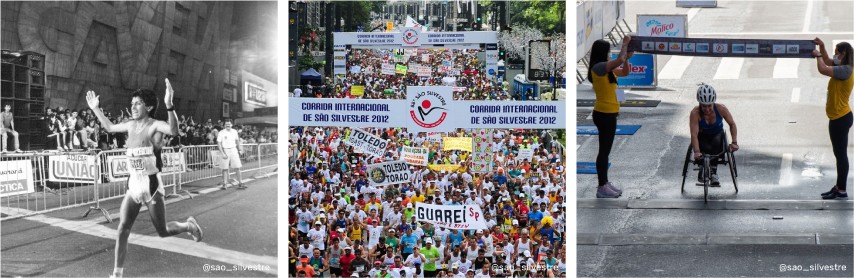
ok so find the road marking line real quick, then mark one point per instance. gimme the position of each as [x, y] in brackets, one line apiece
[675, 67]
[768, 33]
[729, 68]
[786, 169]
[808, 17]
[786, 68]
[796, 95]
[692, 13]
[171, 244]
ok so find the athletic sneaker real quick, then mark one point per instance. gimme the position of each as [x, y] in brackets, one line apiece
[195, 230]
[241, 186]
[715, 181]
[832, 190]
[614, 188]
[835, 196]
[606, 192]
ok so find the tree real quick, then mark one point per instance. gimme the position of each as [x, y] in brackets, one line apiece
[546, 16]
[513, 42]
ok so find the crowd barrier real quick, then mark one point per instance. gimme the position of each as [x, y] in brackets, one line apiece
[32, 185]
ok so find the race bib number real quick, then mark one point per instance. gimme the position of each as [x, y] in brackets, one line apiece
[136, 164]
[360, 268]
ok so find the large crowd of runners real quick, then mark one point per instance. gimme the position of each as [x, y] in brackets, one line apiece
[343, 226]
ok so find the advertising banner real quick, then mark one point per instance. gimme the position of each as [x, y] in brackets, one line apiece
[465, 217]
[368, 143]
[16, 177]
[173, 163]
[415, 156]
[713, 47]
[670, 25]
[388, 69]
[427, 109]
[118, 166]
[340, 62]
[457, 143]
[72, 168]
[254, 94]
[642, 74]
[388, 173]
[482, 154]
[411, 36]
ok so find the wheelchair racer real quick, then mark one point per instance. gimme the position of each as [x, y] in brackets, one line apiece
[707, 129]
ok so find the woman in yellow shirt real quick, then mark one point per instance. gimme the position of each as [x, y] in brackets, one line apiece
[839, 69]
[603, 75]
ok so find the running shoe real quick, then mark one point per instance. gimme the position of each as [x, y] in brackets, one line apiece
[614, 188]
[606, 192]
[715, 181]
[241, 186]
[195, 230]
[832, 190]
[835, 196]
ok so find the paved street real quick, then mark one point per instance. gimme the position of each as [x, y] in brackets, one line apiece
[240, 233]
[784, 163]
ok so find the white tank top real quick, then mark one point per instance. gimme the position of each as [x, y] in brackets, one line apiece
[455, 258]
[523, 246]
[471, 254]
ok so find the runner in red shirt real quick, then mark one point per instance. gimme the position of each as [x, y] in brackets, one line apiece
[346, 259]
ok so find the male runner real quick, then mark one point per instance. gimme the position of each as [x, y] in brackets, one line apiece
[144, 143]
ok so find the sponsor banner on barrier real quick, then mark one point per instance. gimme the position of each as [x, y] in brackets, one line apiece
[444, 167]
[388, 173]
[482, 154]
[642, 74]
[465, 217]
[456, 143]
[118, 166]
[173, 163]
[715, 47]
[16, 177]
[525, 154]
[368, 143]
[415, 156]
[216, 158]
[72, 168]
[427, 109]
[388, 69]
[669, 25]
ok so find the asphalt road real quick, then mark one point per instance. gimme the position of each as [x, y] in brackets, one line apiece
[785, 159]
[240, 238]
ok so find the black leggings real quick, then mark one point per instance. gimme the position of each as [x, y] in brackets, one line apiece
[606, 123]
[839, 140]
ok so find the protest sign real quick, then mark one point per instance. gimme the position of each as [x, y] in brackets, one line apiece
[465, 217]
[482, 154]
[388, 173]
[457, 143]
[415, 156]
[368, 143]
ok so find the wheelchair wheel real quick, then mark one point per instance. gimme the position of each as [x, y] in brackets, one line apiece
[685, 167]
[707, 179]
[732, 170]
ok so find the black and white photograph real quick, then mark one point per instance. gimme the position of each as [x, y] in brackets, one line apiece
[139, 139]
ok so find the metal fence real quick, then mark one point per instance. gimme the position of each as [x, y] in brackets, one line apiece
[103, 184]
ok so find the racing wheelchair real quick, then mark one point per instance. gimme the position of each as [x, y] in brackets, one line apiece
[724, 157]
